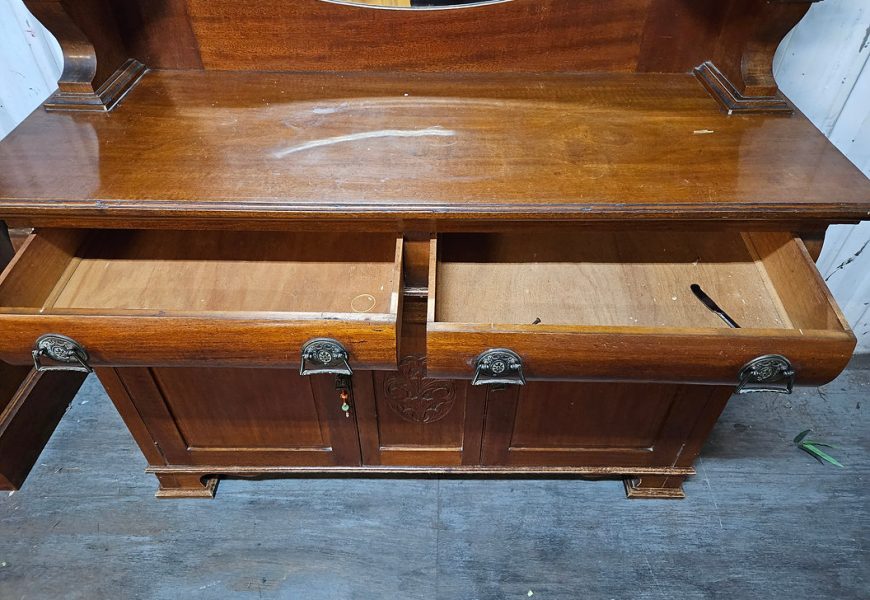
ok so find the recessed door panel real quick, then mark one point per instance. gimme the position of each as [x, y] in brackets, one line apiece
[590, 424]
[244, 417]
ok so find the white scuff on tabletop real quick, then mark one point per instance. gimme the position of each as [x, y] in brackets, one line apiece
[366, 135]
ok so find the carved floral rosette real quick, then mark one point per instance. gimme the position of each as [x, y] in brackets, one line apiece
[415, 397]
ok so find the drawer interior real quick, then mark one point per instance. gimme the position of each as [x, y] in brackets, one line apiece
[629, 279]
[204, 271]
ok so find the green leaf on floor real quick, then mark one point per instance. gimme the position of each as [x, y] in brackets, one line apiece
[813, 448]
[814, 443]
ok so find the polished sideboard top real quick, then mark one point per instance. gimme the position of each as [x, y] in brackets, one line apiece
[254, 146]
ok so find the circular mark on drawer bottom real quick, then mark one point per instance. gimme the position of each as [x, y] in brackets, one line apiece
[363, 303]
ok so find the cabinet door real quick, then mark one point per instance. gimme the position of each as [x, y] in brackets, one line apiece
[595, 424]
[237, 417]
[408, 419]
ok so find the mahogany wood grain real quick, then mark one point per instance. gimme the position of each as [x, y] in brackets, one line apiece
[791, 271]
[407, 418]
[158, 33]
[709, 409]
[256, 419]
[416, 420]
[11, 378]
[636, 35]
[416, 260]
[552, 427]
[92, 46]
[41, 262]
[699, 25]
[244, 339]
[645, 324]
[133, 418]
[439, 148]
[733, 102]
[31, 404]
[739, 67]
[522, 35]
[97, 69]
[814, 240]
[594, 424]
[598, 423]
[670, 36]
[748, 41]
[641, 354]
[18, 236]
[225, 417]
[29, 416]
[125, 296]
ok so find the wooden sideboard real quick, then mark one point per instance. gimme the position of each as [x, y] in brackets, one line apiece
[522, 237]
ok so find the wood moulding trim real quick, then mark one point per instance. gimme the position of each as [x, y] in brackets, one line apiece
[106, 97]
[731, 100]
[398, 470]
[634, 491]
[101, 213]
[207, 490]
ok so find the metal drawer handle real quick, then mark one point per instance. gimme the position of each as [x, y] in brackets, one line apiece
[768, 373]
[498, 366]
[324, 356]
[61, 349]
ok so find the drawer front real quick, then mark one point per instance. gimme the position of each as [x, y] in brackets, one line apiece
[654, 356]
[111, 340]
[791, 312]
[202, 298]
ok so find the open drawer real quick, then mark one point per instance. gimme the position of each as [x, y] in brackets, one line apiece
[165, 298]
[619, 306]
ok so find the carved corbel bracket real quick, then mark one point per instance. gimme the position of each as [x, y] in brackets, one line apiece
[740, 76]
[97, 72]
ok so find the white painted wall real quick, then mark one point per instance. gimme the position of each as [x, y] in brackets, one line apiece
[822, 66]
[30, 64]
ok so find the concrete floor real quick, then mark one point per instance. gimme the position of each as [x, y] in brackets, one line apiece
[762, 520]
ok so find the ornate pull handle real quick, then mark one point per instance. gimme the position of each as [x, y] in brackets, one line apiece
[324, 356]
[768, 373]
[64, 350]
[498, 366]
